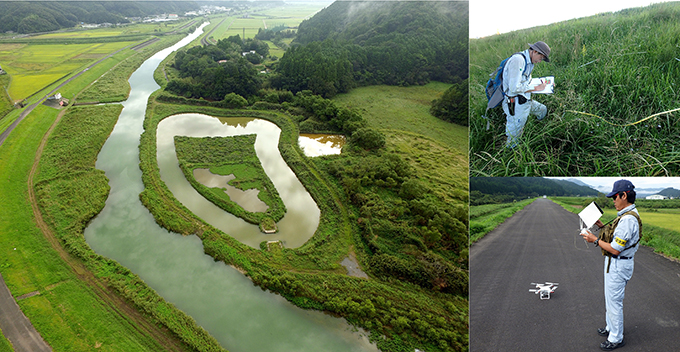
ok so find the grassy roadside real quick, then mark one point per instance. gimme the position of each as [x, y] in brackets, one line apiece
[5, 345]
[485, 218]
[658, 230]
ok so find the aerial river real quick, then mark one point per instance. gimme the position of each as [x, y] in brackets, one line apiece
[241, 316]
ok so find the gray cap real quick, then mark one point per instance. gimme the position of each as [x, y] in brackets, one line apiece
[542, 48]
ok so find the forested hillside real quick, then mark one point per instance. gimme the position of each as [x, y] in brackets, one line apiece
[44, 16]
[485, 190]
[353, 43]
[670, 192]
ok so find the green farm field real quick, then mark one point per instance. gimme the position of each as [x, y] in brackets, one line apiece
[290, 15]
[34, 67]
[666, 218]
[139, 28]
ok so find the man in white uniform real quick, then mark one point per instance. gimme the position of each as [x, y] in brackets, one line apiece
[618, 269]
[517, 104]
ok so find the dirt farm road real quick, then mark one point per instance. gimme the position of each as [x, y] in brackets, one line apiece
[22, 334]
[541, 243]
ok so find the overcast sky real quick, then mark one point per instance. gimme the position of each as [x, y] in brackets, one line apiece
[606, 183]
[488, 17]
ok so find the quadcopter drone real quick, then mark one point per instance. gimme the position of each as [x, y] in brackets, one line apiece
[544, 289]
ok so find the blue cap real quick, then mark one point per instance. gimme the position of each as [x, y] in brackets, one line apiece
[621, 186]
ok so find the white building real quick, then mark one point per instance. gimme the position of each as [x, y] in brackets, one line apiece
[656, 196]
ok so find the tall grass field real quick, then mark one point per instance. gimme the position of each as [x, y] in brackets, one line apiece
[612, 71]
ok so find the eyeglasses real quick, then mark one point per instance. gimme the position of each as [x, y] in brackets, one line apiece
[618, 195]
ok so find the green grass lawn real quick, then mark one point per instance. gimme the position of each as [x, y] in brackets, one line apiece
[380, 105]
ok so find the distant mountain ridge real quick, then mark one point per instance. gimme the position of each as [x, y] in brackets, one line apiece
[529, 186]
[44, 16]
[670, 192]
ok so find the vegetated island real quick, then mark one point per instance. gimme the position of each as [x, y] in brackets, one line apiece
[231, 156]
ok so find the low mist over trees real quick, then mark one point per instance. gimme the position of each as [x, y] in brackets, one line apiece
[365, 43]
[44, 16]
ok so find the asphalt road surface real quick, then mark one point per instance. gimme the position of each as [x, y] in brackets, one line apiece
[16, 327]
[541, 243]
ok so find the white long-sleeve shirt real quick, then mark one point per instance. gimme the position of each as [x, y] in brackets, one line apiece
[515, 77]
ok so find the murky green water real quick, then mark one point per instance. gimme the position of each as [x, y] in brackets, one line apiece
[242, 317]
[302, 213]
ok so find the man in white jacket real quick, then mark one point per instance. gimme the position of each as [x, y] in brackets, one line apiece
[518, 104]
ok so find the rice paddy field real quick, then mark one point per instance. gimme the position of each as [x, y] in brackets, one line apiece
[34, 67]
[616, 103]
[660, 227]
[290, 15]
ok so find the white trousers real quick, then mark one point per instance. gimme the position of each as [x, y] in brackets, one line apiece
[620, 271]
[514, 124]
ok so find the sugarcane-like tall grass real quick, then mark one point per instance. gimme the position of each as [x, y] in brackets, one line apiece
[612, 71]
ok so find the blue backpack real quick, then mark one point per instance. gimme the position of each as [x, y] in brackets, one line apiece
[494, 87]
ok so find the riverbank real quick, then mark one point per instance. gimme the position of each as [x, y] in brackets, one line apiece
[309, 276]
[70, 313]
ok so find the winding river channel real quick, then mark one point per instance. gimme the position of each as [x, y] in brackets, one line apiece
[241, 316]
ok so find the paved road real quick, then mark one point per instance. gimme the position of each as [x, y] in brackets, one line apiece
[541, 243]
[16, 327]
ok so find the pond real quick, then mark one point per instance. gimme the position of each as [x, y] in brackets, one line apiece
[241, 316]
[302, 214]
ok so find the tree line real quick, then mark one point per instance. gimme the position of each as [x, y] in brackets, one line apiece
[367, 43]
[45, 16]
[485, 190]
[214, 71]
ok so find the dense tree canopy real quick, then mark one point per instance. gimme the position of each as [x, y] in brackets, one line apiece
[395, 43]
[453, 105]
[213, 71]
[43, 16]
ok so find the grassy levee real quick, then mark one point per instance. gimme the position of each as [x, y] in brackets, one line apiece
[69, 316]
[67, 169]
[76, 311]
[621, 67]
[113, 85]
[485, 218]
[659, 230]
[398, 314]
[6, 104]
